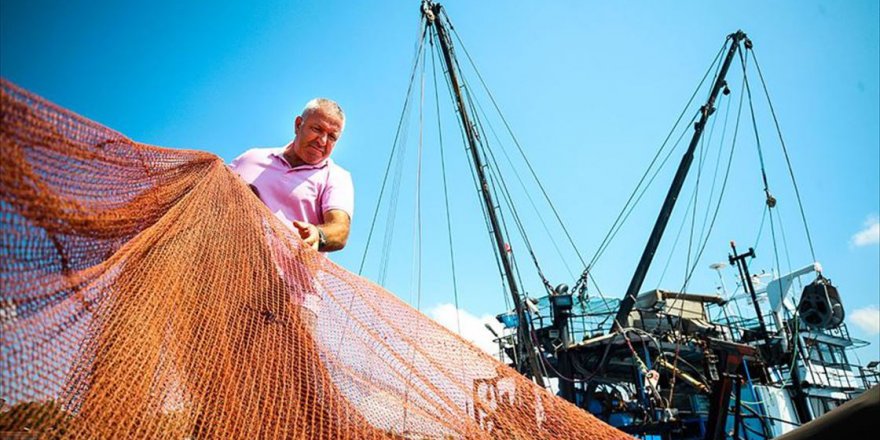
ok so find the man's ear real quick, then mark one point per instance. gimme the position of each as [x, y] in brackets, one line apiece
[297, 123]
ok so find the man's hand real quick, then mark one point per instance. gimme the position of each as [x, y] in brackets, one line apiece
[309, 233]
[335, 228]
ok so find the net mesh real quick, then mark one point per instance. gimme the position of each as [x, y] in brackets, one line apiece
[147, 293]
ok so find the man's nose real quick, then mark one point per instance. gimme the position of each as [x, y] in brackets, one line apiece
[322, 138]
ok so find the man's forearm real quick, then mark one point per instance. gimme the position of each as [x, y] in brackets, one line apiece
[337, 236]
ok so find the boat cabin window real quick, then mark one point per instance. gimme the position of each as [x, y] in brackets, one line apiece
[826, 354]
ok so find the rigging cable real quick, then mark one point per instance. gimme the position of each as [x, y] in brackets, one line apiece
[717, 160]
[434, 56]
[675, 243]
[641, 193]
[491, 178]
[583, 278]
[702, 152]
[417, 227]
[471, 168]
[505, 192]
[417, 235]
[635, 191]
[525, 190]
[495, 176]
[708, 234]
[519, 148]
[712, 189]
[785, 153]
[720, 197]
[771, 201]
[397, 136]
[394, 144]
[629, 206]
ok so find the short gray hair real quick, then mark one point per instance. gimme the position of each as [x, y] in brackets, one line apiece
[326, 105]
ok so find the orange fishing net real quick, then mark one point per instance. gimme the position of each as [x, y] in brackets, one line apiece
[147, 293]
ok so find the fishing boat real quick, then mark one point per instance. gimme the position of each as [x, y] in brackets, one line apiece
[122, 319]
[756, 361]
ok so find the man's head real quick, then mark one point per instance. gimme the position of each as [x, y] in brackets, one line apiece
[316, 131]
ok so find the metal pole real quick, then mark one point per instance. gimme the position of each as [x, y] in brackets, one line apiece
[525, 345]
[629, 299]
[740, 261]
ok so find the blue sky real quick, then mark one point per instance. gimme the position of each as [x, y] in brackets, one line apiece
[590, 89]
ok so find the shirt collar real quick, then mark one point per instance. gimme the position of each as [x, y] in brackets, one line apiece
[279, 153]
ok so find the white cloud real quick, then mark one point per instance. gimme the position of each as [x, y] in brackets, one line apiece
[473, 328]
[869, 235]
[867, 319]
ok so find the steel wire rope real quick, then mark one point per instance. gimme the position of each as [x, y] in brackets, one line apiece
[696, 203]
[631, 208]
[523, 296]
[720, 195]
[694, 200]
[691, 201]
[506, 197]
[708, 233]
[496, 172]
[494, 175]
[534, 174]
[712, 189]
[643, 191]
[388, 237]
[477, 186]
[638, 186]
[394, 143]
[480, 136]
[674, 244]
[701, 162]
[717, 160]
[785, 247]
[704, 239]
[525, 190]
[791, 173]
[493, 190]
[763, 418]
[397, 136]
[434, 56]
[743, 61]
[785, 153]
[624, 213]
[766, 417]
[417, 226]
[587, 266]
[519, 147]
[417, 234]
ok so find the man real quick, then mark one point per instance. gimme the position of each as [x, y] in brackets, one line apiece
[300, 184]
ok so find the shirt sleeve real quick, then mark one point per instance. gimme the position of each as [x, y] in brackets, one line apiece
[339, 193]
[236, 163]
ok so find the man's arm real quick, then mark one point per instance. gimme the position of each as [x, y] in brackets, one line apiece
[336, 227]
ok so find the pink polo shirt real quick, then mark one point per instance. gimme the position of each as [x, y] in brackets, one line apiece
[301, 193]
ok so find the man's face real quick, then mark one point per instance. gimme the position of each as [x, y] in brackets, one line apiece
[316, 135]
